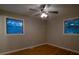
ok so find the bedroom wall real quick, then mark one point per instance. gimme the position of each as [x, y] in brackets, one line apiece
[55, 33]
[34, 33]
[38, 31]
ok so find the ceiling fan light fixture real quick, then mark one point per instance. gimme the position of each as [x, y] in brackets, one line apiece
[44, 15]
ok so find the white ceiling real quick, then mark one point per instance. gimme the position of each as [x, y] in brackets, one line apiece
[24, 8]
[20, 9]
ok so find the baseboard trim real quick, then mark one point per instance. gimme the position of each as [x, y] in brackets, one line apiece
[63, 48]
[8, 52]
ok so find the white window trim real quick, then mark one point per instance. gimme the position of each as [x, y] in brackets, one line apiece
[16, 19]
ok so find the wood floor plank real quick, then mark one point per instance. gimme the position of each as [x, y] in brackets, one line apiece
[44, 50]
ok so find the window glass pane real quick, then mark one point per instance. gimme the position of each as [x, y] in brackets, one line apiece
[14, 26]
[71, 26]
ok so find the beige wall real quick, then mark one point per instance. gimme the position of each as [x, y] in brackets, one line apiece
[55, 33]
[38, 31]
[34, 33]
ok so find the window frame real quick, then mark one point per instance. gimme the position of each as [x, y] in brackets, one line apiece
[15, 19]
[69, 33]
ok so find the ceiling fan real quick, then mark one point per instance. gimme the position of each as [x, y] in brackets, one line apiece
[42, 11]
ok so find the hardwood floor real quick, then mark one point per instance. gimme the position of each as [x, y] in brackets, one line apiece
[44, 50]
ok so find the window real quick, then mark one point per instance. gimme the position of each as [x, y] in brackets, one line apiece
[71, 26]
[14, 26]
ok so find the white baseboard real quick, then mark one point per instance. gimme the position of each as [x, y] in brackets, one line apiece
[63, 48]
[4, 53]
[8, 52]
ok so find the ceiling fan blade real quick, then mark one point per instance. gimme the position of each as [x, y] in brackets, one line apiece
[56, 12]
[42, 7]
[33, 9]
[36, 14]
